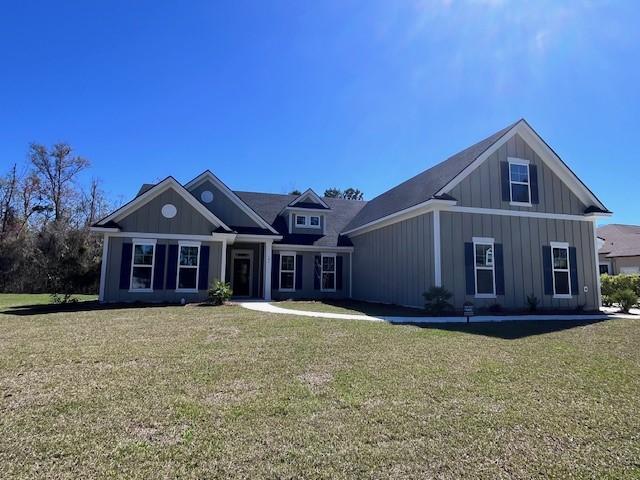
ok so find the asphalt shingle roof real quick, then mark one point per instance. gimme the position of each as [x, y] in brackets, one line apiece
[269, 205]
[620, 240]
[423, 186]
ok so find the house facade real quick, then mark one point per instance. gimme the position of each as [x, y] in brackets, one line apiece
[493, 224]
[619, 249]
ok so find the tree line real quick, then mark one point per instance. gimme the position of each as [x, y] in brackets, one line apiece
[45, 215]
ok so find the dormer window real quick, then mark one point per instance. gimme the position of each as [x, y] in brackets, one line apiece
[314, 221]
[308, 221]
[301, 220]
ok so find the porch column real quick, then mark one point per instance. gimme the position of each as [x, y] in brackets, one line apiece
[437, 259]
[268, 244]
[223, 261]
[103, 267]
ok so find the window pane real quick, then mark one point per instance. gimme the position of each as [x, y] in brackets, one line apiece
[286, 280]
[328, 281]
[328, 264]
[189, 256]
[287, 262]
[484, 255]
[485, 281]
[187, 278]
[519, 193]
[520, 173]
[141, 277]
[562, 282]
[315, 221]
[143, 255]
[604, 269]
[560, 258]
[301, 220]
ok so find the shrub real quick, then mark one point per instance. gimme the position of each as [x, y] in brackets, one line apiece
[495, 308]
[613, 285]
[626, 298]
[437, 300]
[220, 293]
[533, 302]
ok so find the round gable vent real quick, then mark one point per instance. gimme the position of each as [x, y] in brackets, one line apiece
[206, 196]
[169, 210]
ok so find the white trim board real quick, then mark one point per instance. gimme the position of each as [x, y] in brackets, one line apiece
[543, 151]
[309, 193]
[214, 237]
[208, 175]
[310, 248]
[519, 213]
[156, 190]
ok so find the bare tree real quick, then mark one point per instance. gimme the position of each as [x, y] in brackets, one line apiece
[8, 186]
[57, 169]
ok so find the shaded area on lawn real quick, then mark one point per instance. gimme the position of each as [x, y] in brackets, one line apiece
[90, 306]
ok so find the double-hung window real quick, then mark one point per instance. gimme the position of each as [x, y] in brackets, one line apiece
[560, 265]
[188, 266]
[485, 275]
[519, 182]
[287, 272]
[142, 265]
[310, 221]
[328, 277]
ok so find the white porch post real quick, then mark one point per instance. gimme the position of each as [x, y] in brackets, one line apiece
[223, 261]
[437, 260]
[268, 245]
[597, 265]
[103, 267]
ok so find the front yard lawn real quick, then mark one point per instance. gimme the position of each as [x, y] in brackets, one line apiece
[223, 392]
[353, 307]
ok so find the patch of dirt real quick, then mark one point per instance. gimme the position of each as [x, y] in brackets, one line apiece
[316, 380]
[234, 392]
[160, 435]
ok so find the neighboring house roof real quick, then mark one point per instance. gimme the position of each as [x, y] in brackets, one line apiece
[620, 240]
[340, 212]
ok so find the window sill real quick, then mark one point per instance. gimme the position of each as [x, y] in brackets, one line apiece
[484, 295]
[520, 204]
[186, 290]
[563, 296]
[286, 289]
[328, 290]
[141, 290]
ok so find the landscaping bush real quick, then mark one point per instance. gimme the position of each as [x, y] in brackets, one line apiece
[626, 298]
[533, 302]
[614, 285]
[437, 300]
[220, 293]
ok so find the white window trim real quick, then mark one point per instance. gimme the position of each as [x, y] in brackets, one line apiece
[491, 242]
[304, 217]
[606, 264]
[307, 221]
[142, 241]
[181, 244]
[295, 266]
[319, 225]
[523, 162]
[322, 271]
[565, 246]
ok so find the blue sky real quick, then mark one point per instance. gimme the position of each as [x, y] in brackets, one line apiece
[278, 95]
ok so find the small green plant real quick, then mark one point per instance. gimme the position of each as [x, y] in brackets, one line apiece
[626, 299]
[62, 299]
[533, 302]
[437, 300]
[220, 293]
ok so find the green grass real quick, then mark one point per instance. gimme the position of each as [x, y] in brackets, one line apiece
[222, 392]
[17, 299]
[351, 307]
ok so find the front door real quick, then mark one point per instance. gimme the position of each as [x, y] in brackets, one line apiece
[241, 274]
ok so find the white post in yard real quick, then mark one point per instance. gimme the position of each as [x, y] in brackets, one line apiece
[268, 245]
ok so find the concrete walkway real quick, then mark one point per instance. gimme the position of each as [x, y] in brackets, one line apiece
[267, 307]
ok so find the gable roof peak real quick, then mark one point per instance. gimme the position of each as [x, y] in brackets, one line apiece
[311, 195]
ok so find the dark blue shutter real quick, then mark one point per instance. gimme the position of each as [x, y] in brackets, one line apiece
[275, 272]
[172, 267]
[499, 261]
[469, 260]
[547, 270]
[338, 272]
[158, 268]
[125, 266]
[533, 181]
[317, 272]
[203, 275]
[506, 184]
[573, 270]
[298, 272]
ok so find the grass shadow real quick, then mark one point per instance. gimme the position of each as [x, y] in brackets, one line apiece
[88, 306]
[508, 330]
